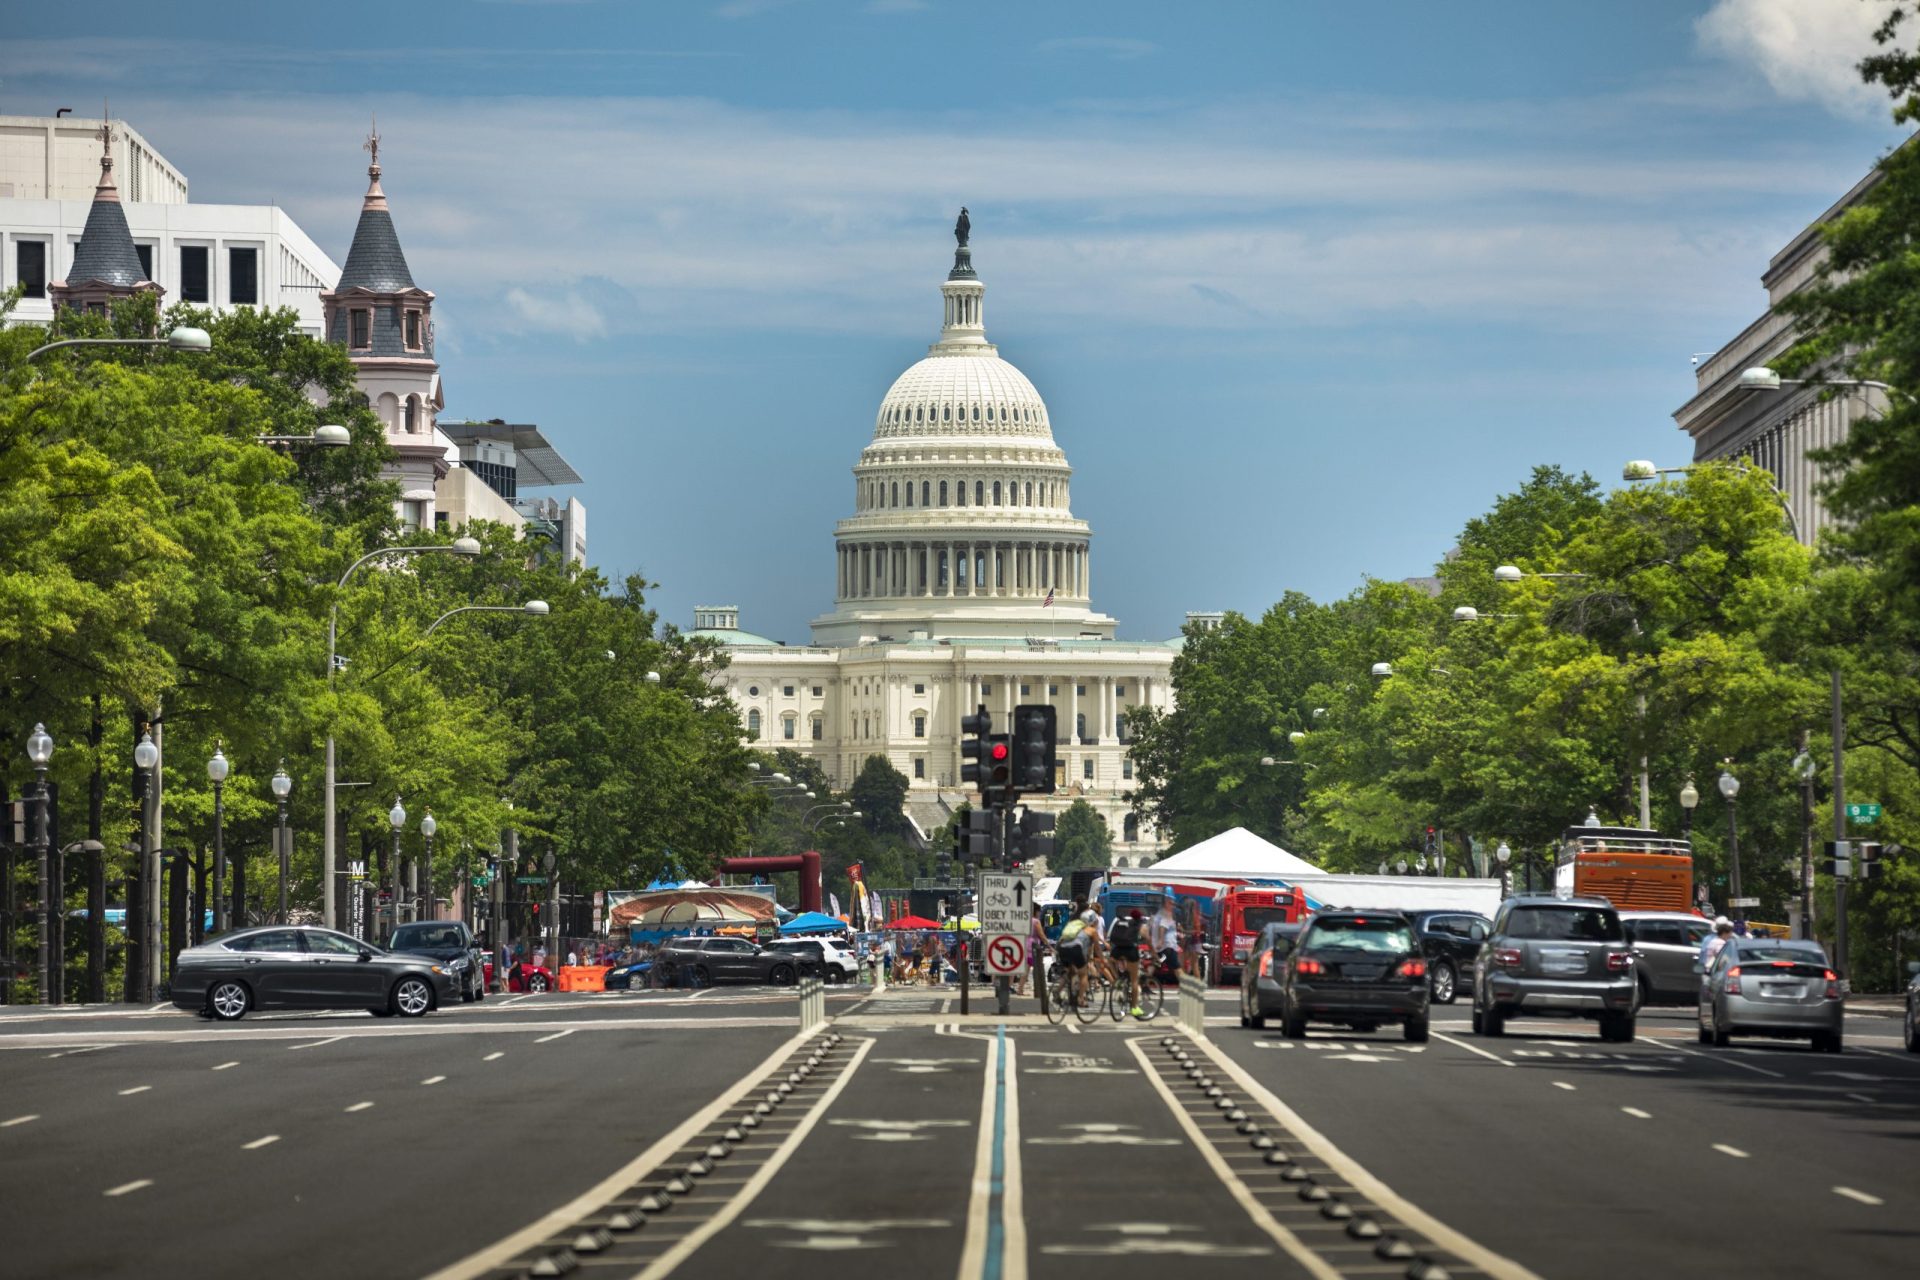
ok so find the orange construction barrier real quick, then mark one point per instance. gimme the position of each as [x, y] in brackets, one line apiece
[582, 977]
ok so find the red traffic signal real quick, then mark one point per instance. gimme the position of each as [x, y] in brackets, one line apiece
[999, 751]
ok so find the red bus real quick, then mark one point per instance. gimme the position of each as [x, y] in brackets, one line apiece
[1244, 911]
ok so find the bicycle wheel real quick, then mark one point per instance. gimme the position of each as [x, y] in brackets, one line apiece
[1153, 997]
[1089, 1009]
[1058, 997]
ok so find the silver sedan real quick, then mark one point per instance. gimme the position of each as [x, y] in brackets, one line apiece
[1766, 987]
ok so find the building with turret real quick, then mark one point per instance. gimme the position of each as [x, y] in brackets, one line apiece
[961, 579]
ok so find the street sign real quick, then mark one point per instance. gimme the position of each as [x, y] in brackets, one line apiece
[1005, 908]
[1743, 902]
[1864, 815]
[529, 879]
[1006, 954]
[357, 870]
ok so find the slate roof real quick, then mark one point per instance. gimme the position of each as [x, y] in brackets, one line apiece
[375, 261]
[105, 252]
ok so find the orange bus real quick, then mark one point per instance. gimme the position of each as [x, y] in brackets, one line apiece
[1634, 869]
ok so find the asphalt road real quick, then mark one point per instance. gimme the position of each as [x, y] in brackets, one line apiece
[704, 1135]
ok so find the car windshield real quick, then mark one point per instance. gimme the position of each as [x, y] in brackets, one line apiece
[1565, 924]
[1379, 936]
[1257, 918]
[427, 935]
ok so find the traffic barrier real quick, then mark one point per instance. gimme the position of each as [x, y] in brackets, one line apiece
[583, 977]
[813, 1003]
[1193, 1005]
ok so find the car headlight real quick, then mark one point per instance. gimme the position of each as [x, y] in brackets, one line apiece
[460, 963]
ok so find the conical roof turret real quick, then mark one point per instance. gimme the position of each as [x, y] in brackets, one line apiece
[105, 258]
[375, 261]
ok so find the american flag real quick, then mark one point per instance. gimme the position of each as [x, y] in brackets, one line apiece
[1048, 600]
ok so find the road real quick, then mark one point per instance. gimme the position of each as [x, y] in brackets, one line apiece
[657, 1134]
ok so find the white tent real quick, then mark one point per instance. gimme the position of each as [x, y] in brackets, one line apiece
[1235, 854]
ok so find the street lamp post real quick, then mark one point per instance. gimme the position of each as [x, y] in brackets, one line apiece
[146, 758]
[1689, 797]
[554, 956]
[217, 774]
[40, 753]
[396, 818]
[282, 787]
[1504, 855]
[1803, 764]
[427, 827]
[328, 850]
[1730, 788]
[182, 339]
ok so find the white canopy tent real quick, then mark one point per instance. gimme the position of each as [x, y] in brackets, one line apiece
[1235, 854]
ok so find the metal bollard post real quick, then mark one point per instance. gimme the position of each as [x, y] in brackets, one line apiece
[813, 1003]
[1193, 1005]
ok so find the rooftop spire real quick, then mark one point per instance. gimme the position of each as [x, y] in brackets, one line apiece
[375, 261]
[376, 198]
[106, 190]
[962, 255]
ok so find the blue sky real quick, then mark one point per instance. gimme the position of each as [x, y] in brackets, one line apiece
[1305, 286]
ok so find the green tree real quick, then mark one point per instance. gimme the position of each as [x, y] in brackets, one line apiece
[1080, 839]
[880, 794]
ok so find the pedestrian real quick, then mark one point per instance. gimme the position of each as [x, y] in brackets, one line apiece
[1164, 936]
[573, 959]
[1036, 947]
[929, 953]
[1722, 934]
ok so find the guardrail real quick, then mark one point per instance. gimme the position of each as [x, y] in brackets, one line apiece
[1193, 1005]
[813, 1003]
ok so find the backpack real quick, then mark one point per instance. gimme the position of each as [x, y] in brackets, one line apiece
[1072, 930]
[1124, 933]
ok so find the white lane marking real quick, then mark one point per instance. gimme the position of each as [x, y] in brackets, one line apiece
[495, 1054]
[495, 1256]
[258, 1143]
[1861, 1196]
[433, 1080]
[28, 1119]
[1365, 1182]
[359, 1106]
[1491, 1057]
[1637, 1113]
[1562, 1084]
[139, 1088]
[74, 1053]
[687, 1244]
[1860, 1097]
[1730, 1061]
[555, 1036]
[1726, 1150]
[1312, 1262]
[223, 1066]
[1013, 1221]
[317, 1043]
[125, 1187]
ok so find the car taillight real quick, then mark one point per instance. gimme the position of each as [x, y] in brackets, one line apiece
[1308, 966]
[1266, 964]
[1833, 985]
[1619, 961]
[1507, 957]
[1413, 968]
[1733, 981]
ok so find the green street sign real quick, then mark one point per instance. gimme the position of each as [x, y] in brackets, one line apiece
[1863, 814]
[529, 879]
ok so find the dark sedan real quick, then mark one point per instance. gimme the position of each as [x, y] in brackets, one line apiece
[452, 944]
[282, 967]
[1450, 940]
[1261, 976]
[1356, 969]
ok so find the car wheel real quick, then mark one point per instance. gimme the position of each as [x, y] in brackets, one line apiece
[1721, 1038]
[467, 995]
[381, 1013]
[229, 1001]
[781, 975]
[1617, 1027]
[1416, 1030]
[1706, 1036]
[1644, 987]
[1493, 1023]
[537, 983]
[1446, 983]
[412, 997]
[698, 977]
[1828, 1042]
[1913, 1030]
[1478, 1021]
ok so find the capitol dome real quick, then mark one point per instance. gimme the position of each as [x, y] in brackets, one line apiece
[962, 521]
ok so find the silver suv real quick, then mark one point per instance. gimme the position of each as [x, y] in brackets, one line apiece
[1556, 958]
[1665, 946]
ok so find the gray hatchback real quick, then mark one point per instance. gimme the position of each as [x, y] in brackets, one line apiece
[1555, 958]
[1769, 987]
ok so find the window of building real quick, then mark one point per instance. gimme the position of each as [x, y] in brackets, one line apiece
[753, 724]
[919, 688]
[1080, 689]
[1120, 726]
[1130, 828]
[818, 729]
[1119, 691]
[243, 276]
[412, 416]
[194, 284]
[923, 492]
[816, 691]
[359, 329]
[919, 726]
[1053, 691]
[960, 493]
[1126, 768]
[996, 493]
[909, 493]
[1080, 726]
[145, 253]
[1024, 689]
[753, 691]
[979, 493]
[413, 331]
[30, 267]
[920, 766]
[943, 493]
[1086, 768]
[787, 728]
[413, 512]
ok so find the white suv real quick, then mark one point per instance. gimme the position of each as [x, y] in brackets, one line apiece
[842, 964]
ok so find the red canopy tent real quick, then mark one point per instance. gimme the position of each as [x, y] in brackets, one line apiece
[913, 922]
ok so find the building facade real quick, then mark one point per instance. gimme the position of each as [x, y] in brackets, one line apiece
[1777, 428]
[961, 579]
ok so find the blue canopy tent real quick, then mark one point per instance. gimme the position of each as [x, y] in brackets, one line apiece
[814, 922]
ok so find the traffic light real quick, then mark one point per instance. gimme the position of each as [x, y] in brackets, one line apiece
[979, 835]
[973, 746]
[999, 779]
[1031, 838]
[1034, 755]
[1868, 864]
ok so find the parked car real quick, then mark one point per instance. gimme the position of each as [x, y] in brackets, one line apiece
[628, 977]
[452, 944]
[1260, 977]
[1665, 946]
[1913, 1006]
[703, 962]
[529, 977]
[304, 968]
[836, 962]
[1555, 958]
[1769, 987]
[1449, 940]
[1358, 969]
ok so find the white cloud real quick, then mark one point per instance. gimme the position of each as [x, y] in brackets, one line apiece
[1808, 50]
[568, 314]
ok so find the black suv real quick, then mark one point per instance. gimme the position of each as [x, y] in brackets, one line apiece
[701, 962]
[1358, 969]
[451, 943]
[1450, 940]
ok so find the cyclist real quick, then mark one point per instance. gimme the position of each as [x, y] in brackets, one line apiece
[1075, 949]
[1123, 941]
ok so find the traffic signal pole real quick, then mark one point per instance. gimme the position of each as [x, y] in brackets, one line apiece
[1839, 827]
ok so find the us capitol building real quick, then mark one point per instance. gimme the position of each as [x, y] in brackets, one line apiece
[961, 578]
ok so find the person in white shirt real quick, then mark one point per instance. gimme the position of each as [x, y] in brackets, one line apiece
[1722, 933]
[1164, 936]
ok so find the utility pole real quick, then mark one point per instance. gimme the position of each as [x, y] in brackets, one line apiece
[1806, 836]
[1839, 826]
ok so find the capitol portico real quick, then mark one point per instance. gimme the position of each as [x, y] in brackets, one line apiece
[961, 578]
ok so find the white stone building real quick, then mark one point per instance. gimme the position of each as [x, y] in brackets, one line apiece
[962, 578]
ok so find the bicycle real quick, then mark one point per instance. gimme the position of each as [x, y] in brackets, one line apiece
[1153, 994]
[1060, 996]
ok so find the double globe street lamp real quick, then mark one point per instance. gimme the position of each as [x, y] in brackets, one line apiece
[282, 786]
[40, 754]
[217, 769]
[1730, 788]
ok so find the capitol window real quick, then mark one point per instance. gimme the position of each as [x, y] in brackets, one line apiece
[753, 724]
[896, 493]
[943, 493]
[786, 691]
[816, 729]
[979, 493]
[960, 493]
[919, 726]
[920, 767]
[1029, 493]
[816, 691]
[949, 412]
[909, 493]
[787, 728]
[1086, 768]
[919, 688]
[996, 493]
[1126, 770]
[753, 691]
[923, 493]
[976, 413]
